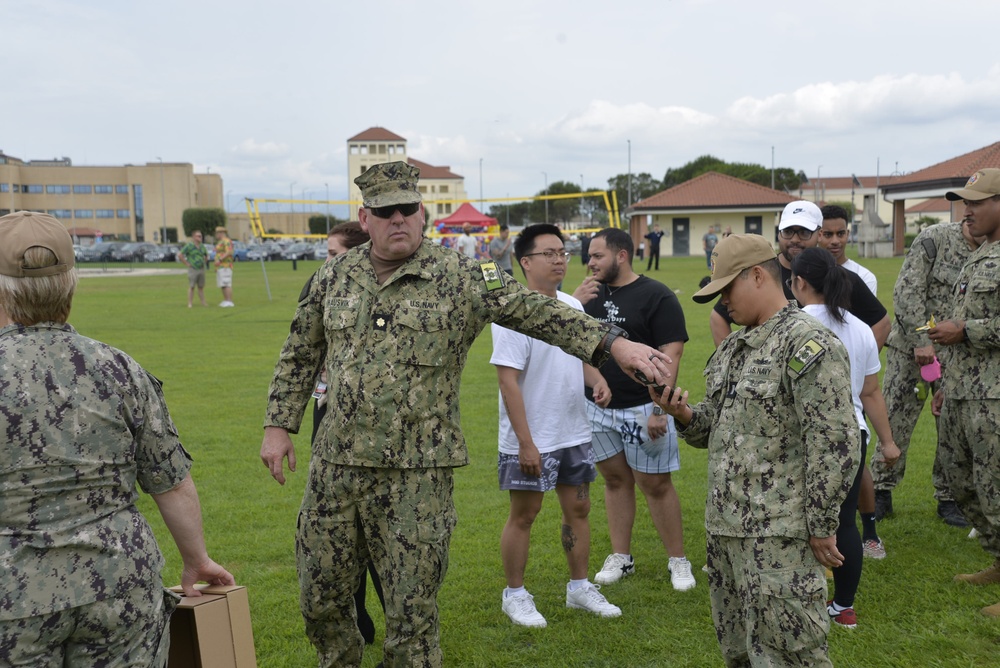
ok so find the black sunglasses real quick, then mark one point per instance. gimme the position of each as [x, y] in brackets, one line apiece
[386, 211]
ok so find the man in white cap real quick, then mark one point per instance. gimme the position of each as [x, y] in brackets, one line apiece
[970, 414]
[783, 450]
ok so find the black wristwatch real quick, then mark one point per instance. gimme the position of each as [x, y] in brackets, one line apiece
[614, 332]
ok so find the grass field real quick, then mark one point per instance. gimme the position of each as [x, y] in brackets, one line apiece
[216, 365]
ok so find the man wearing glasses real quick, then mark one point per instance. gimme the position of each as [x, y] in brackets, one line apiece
[393, 320]
[797, 231]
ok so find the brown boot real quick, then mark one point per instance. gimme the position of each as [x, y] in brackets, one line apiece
[991, 610]
[986, 576]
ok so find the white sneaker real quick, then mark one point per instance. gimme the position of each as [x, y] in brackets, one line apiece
[590, 599]
[616, 566]
[974, 534]
[521, 610]
[681, 576]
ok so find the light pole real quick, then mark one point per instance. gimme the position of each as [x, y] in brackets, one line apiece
[546, 176]
[816, 189]
[327, 208]
[291, 205]
[163, 205]
[480, 184]
[629, 172]
[228, 193]
[581, 197]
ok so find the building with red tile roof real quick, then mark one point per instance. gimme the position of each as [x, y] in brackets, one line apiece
[686, 212]
[439, 186]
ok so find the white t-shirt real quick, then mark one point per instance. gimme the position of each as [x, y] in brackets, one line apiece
[866, 276]
[551, 383]
[466, 245]
[862, 350]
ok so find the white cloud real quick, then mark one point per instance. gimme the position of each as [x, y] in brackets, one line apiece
[251, 148]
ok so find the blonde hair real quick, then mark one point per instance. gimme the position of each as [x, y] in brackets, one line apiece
[34, 299]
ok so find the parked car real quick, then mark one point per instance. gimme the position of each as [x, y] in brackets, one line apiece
[240, 251]
[320, 251]
[132, 252]
[162, 254]
[299, 251]
[266, 251]
[100, 252]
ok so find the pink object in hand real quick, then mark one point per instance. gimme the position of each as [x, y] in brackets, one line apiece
[931, 372]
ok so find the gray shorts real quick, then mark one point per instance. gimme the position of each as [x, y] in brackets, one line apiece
[196, 278]
[569, 466]
[624, 430]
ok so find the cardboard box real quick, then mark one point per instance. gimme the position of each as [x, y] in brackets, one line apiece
[213, 630]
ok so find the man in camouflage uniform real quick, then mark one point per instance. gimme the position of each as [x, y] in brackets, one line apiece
[923, 289]
[970, 414]
[783, 445]
[82, 424]
[394, 320]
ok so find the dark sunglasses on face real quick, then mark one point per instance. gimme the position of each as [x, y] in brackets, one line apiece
[387, 211]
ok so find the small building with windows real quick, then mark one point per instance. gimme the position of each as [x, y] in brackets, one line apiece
[687, 211]
[128, 202]
[443, 191]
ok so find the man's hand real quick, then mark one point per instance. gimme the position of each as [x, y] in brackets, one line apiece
[936, 403]
[889, 453]
[602, 393]
[673, 400]
[643, 364]
[656, 426]
[529, 459]
[587, 290]
[277, 445]
[947, 333]
[207, 571]
[923, 355]
[825, 551]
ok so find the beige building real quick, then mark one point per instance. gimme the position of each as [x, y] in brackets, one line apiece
[133, 202]
[443, 190]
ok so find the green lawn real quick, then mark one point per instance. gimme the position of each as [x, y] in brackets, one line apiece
[216, 364]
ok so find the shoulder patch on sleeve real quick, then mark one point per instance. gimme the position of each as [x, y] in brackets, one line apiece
[929, 247]
[493, 276]
[805, 356]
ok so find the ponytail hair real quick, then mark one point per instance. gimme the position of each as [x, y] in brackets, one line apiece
[820, 270]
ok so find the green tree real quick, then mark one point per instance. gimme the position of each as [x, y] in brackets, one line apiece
[643, 186]
[318, 223]
[926, 221]
[848, 206]
[785, 178]
[559, 210]
[203, 219]
[516, 214]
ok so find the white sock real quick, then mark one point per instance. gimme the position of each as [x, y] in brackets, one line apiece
[837, 608]
[509, 591]
[576, 584]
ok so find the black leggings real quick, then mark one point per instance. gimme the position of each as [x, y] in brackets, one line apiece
[847, 577]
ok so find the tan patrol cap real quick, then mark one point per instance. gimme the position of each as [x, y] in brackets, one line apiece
[982, 185]
[389, 183]
[22, 230]
[731, 256]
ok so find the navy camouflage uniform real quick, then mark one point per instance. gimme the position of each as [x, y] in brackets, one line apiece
[380, 478]
[925, 287]
[971, 412]
[784, 448]
[83, 423]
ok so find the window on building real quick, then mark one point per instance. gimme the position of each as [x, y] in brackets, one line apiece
[442, 189]
[4, 187]
[121, 190]
[123, 213]
[105, 213]
[447, 207]
[440, 209]
[33, 190]
[354, 149]
[4, 212]
[57, 190]
[17, 188]
[363, 168]
[83, 213]
[103, 190]
[372, 149]
[60, 213]
[363, 149]
[400, 149]
[381, 149]
[82, 190]
[422, 189]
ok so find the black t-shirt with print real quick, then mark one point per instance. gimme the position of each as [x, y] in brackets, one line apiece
[650, 313]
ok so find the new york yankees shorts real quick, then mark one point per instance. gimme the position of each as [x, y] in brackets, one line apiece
[624, 430]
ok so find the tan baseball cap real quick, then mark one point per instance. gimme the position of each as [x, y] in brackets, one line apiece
[982, 185]
[731, 256]
[22, 230]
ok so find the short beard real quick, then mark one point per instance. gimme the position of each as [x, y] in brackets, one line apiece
[612, 275]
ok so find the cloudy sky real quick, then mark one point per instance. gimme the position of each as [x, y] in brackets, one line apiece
[267, 93]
